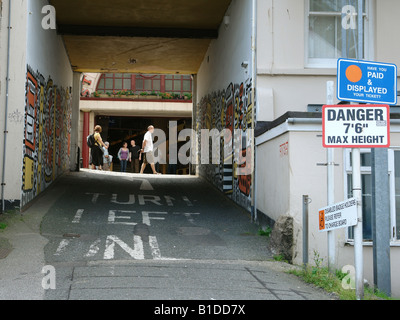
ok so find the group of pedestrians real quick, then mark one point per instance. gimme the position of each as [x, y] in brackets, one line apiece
[102, 160]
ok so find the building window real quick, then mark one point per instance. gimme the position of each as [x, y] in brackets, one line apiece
[110, 82]
[331, 34]
[173, 84]
[178, 84]
[147, 83]
[366, 181]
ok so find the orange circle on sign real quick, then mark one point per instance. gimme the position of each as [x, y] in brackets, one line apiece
[353, 73]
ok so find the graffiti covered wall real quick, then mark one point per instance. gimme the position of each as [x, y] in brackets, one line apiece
[229, 109]
[47, 134]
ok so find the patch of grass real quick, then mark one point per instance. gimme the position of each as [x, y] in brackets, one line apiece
[265, 232]
[279, 258]
[8, 218]
[333, 282]
[322, 278]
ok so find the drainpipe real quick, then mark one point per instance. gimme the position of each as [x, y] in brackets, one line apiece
[3, 184]
[254, 97]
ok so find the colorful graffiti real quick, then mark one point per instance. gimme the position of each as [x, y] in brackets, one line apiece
[47, 138]
[89, 84]
[86, 84]
[230, 109]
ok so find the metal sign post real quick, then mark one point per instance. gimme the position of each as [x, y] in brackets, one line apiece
[357, 189]
[368, 82]
[381, 220]
[331, 188]
[356, 126]
[358, 229]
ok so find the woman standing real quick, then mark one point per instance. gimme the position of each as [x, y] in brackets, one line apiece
[96, 151]
[123, 156]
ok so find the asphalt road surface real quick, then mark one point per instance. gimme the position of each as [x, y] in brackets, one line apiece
[124, 236]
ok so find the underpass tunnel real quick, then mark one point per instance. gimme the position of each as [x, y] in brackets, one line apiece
[124, 65]
[125, 104]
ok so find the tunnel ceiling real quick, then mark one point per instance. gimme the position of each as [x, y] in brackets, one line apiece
[138, 36]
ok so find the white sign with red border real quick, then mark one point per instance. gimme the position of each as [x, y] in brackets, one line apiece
[356, 126]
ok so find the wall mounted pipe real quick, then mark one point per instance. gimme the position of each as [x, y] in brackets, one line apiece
[254, 100]
[3, 183]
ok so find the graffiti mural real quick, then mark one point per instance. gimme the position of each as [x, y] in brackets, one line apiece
[230, 109]
[47, 138]
[89, 84]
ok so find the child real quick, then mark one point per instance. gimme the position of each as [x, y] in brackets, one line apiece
[107, 158]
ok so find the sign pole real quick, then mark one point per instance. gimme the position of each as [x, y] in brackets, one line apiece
[357, 190]
[331, 188]
[358, 229]
[381, 220]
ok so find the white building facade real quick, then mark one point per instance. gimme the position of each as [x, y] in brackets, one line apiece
[298, 45]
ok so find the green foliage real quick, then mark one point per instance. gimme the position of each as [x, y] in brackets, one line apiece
[332, 282]
[265, 232]
[279, 258]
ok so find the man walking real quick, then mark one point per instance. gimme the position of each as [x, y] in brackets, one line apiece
[148, 151]
[134, 157]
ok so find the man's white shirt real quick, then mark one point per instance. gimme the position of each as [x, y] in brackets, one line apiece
[149, 142]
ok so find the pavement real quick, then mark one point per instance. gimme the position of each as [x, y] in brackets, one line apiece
[21, 271]
[112, 236]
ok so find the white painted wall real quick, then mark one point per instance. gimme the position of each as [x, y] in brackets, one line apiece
[285, 83]
[222, 63]
[15, 114]
[220, 77]
[43, 51]
[47, 59]
[280, 193]
[46, 50]
[273, 185]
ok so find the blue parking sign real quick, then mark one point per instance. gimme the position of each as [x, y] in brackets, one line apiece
[368, 82]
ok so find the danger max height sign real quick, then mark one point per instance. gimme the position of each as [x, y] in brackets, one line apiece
[347, 126]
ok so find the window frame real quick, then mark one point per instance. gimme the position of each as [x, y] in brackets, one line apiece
[392, 192]
[133, 77]
[182, 80]
[104, 76]
[319, 63]
[144, 77]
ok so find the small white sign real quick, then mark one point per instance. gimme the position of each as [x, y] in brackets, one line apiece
[337, 216]
[356, 126]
